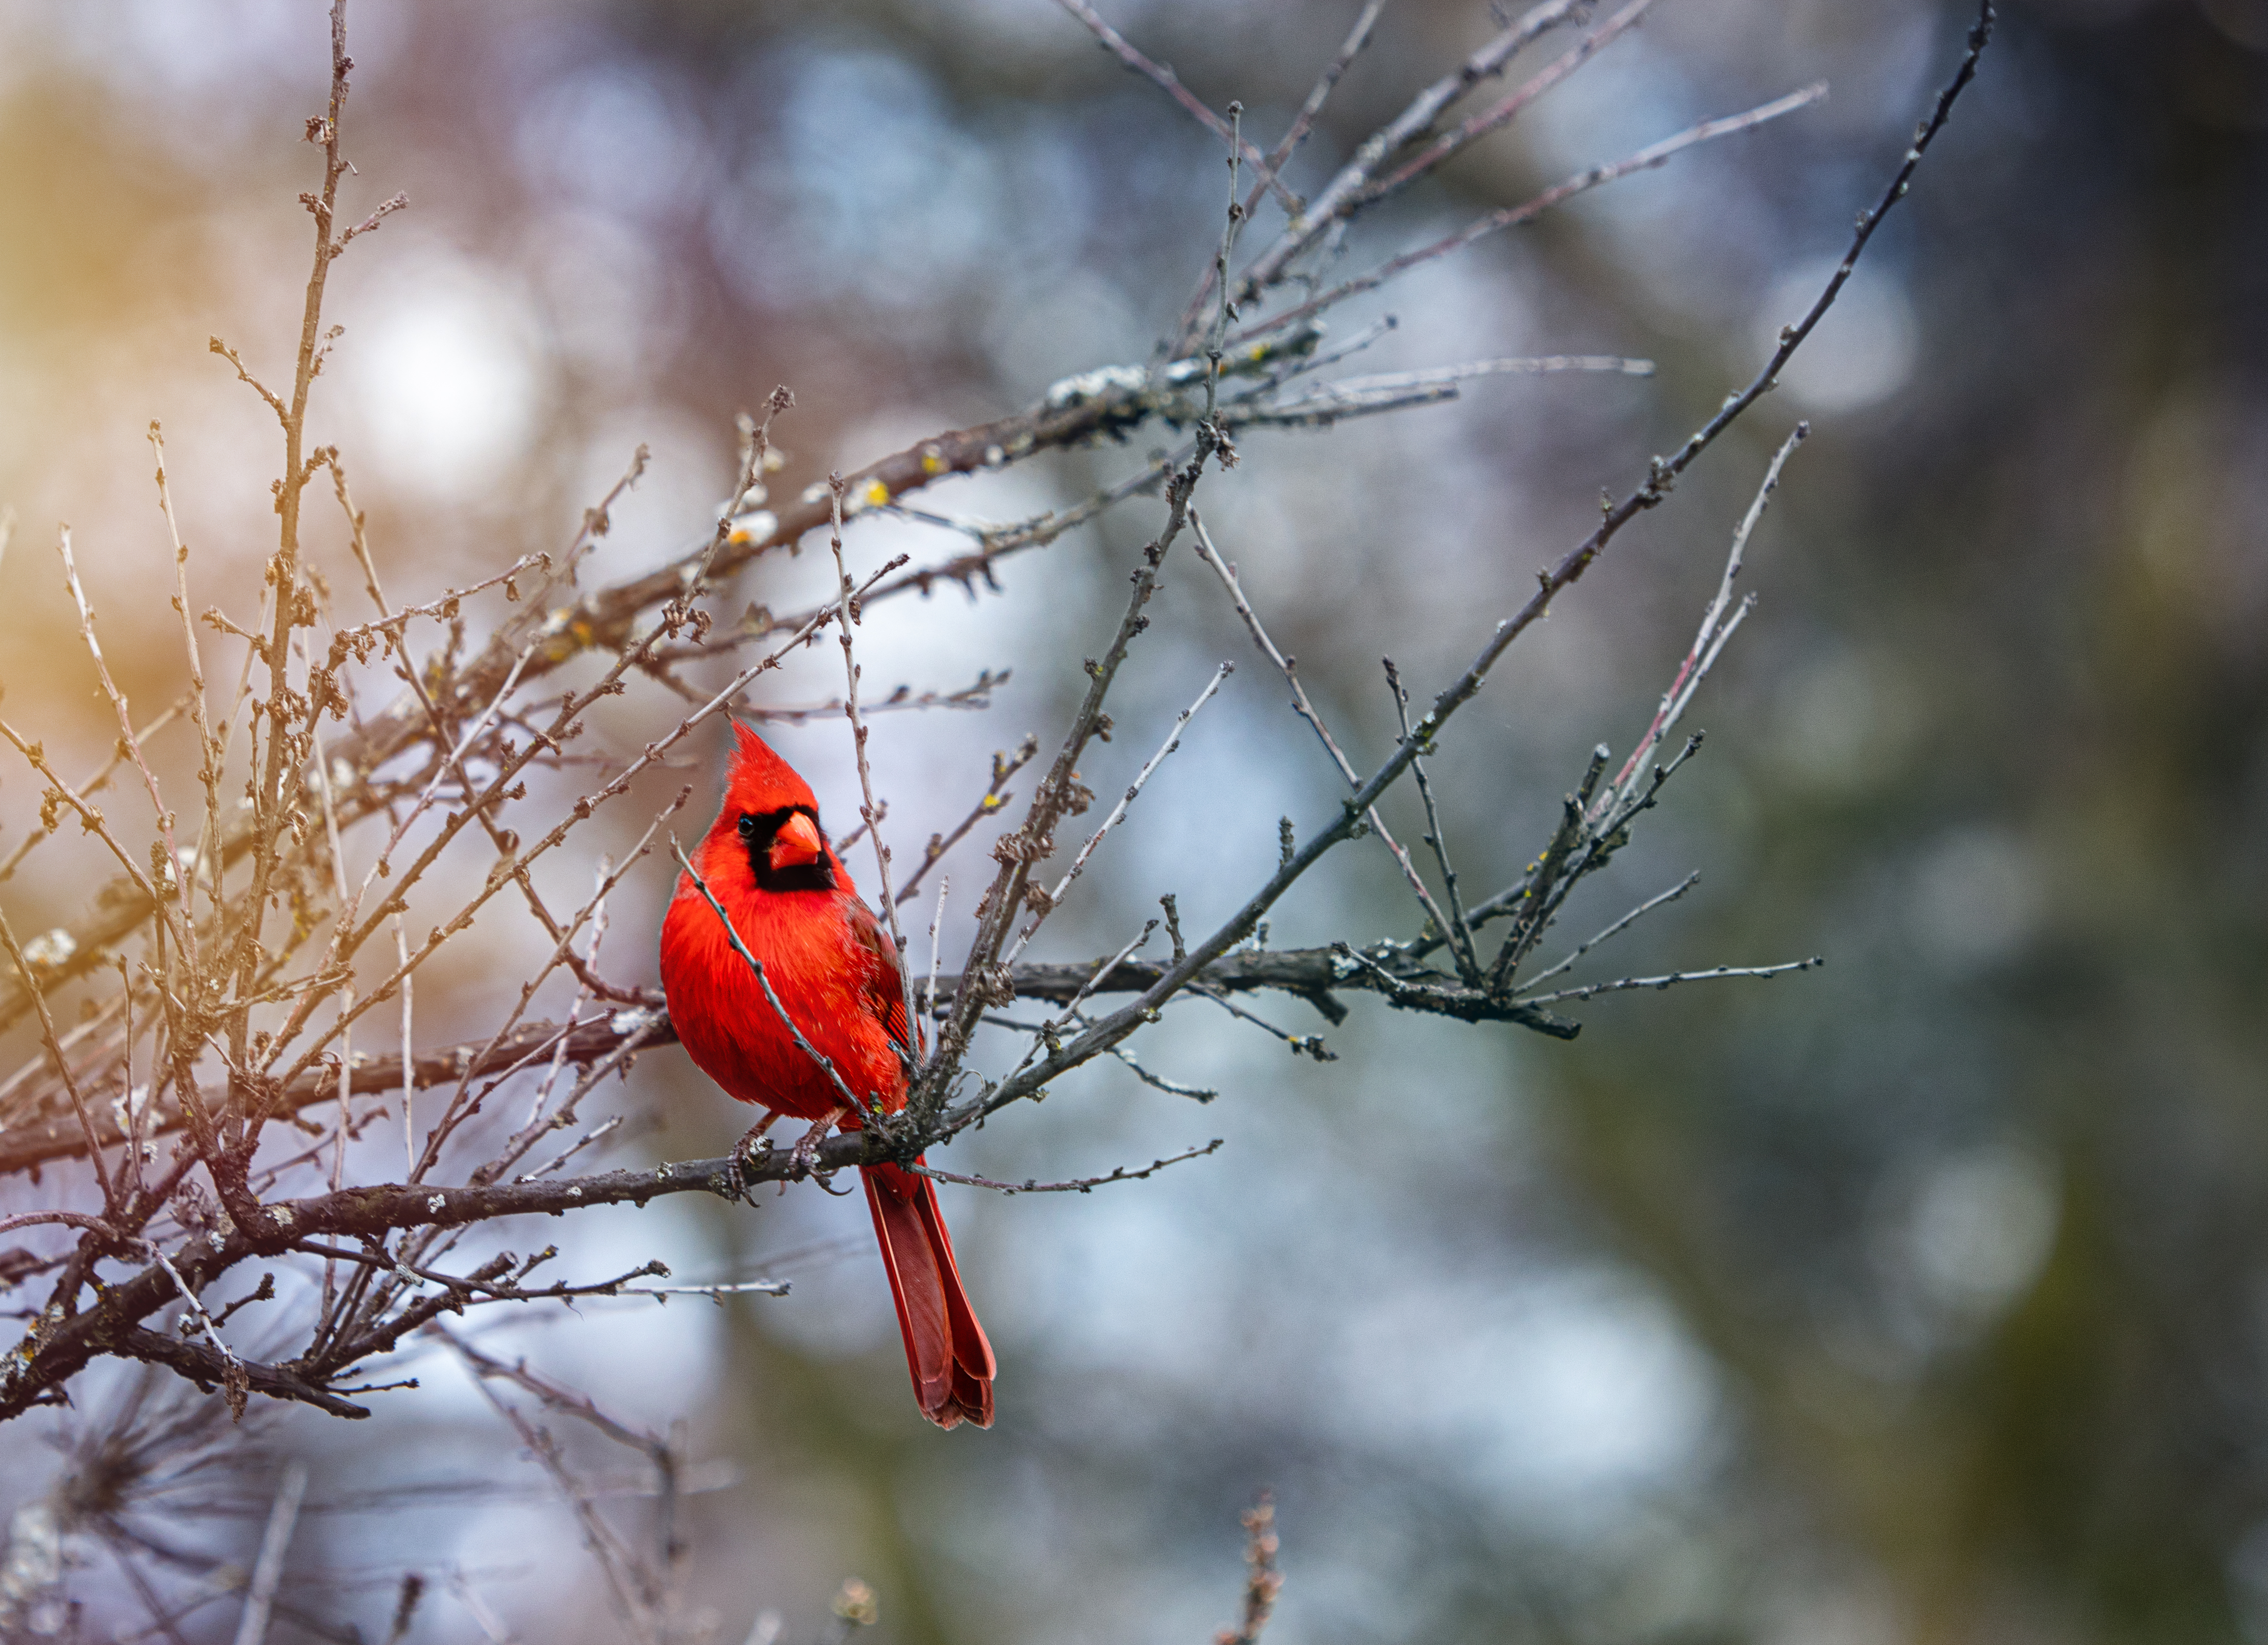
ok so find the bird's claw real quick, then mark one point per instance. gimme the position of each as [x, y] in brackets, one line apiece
[803, 1159]
[735, 1177]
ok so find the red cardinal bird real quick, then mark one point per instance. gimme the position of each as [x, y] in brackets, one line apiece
[837, 975]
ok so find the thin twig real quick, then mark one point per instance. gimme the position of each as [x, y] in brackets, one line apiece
[1620, 925]
[936, 921]
[633, 1587]
[1167, 81]
[1710, 640]
[1671, 978]
[1069, 1013]
[237, 1383]
[184, 933]
[1046, 902]
[39, 997]
[60, 1219]
[849, 1098]
[1294, 135]
[1512, 216]
[996, 794]
[1350, 189]
[1460, 932]
[1077, 1185]
[209, 751]
[1288, 667]
[267, 1569]
[1470, 131]
[869, 811]
[1308, 1044]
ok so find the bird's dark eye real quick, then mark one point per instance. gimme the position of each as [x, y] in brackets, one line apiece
[747, 827]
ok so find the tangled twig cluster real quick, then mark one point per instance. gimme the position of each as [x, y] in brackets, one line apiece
[197, 1065]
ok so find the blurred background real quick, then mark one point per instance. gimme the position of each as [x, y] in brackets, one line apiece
[1921, 1298]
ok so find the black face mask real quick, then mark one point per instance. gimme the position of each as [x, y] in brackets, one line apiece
[757, 831]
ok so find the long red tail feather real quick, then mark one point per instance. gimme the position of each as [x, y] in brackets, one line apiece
[945, 1349]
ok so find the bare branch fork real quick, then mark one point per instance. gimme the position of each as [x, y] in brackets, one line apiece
[1306, 709]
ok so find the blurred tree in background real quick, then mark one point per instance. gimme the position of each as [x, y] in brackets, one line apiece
[1920, 1298]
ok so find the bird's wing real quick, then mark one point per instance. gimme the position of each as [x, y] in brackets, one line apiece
[886, 989]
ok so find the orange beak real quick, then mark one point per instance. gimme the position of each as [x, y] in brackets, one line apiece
[796, 844]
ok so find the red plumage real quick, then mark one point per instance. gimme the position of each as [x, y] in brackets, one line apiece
[837, 978]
